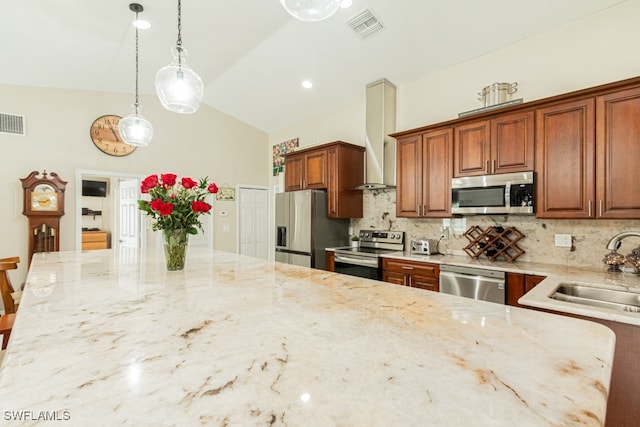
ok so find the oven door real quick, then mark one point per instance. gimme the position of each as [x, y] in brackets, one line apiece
[367, 267]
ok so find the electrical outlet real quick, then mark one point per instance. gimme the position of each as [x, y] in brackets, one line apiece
[563, 240]
[444, 233]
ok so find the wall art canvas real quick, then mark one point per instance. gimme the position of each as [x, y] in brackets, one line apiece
[279, 151]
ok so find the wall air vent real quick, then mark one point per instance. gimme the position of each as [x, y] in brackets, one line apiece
[365, 23]
[12, 124]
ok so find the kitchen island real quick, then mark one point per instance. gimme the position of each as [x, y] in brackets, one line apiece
[110, 337]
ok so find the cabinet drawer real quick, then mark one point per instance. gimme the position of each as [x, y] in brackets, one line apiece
[411, 267]
[94, 236]
[86, 246]
[426, 283]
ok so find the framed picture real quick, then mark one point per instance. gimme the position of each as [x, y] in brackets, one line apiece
[226, 193]
[279, 151]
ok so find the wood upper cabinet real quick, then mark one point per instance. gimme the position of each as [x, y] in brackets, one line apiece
[424, 174]
[306, 171]
[618, 154]
[337, 167]
[503, 144]
[422, 275]
[565, 150]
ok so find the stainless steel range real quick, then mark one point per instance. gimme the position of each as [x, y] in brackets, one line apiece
[365, 260]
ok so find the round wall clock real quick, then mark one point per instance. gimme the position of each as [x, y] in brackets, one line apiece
[106, 137]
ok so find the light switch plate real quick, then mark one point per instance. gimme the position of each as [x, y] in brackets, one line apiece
[563, 240]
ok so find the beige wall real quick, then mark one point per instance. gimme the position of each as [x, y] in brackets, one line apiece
[592, 51]
[207, 143]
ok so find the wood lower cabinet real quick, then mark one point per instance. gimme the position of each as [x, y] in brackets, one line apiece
[503, 144]
[330, 262]
[424, 174]
[94, 240]
[415, 274]
[337, 167]
[518, 285]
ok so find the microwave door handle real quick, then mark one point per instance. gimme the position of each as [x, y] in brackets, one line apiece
[507, 195]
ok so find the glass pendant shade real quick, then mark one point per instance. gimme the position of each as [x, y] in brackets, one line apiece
[311, 10]
[178, 87]
[135, 129]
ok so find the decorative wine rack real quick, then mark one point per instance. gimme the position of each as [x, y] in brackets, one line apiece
[494, 242]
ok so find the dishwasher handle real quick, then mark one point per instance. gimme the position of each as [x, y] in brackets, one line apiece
[499, 281]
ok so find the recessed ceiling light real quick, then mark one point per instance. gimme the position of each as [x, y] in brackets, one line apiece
[307, 84]
[142, 24]
[346, 3]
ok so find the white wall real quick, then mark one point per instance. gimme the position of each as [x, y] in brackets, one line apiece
[589, 52]
[207, 143]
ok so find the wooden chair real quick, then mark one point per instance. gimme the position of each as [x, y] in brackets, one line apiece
[6, 325]
[10, 298]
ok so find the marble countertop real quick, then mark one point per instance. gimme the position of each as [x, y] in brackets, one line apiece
[555, 275]
[107, 337]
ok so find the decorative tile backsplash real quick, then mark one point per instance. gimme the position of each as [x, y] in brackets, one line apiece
[590, 237]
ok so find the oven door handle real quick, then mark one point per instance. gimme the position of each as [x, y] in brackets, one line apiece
[357, 261]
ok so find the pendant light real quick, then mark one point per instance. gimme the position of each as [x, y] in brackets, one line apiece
[135, 129]
[179, 88]
[311, 10]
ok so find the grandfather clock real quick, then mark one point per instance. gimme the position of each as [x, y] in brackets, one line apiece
[43, 206]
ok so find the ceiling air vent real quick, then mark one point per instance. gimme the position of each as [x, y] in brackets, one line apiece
[12, 124]
[365, 23]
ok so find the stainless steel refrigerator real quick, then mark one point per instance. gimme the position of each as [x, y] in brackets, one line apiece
[303, 230]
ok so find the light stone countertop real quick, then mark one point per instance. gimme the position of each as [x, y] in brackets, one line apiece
[555, 275]
[111, 338]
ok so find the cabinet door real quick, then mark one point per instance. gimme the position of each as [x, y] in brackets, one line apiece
[426, 283]
[437, 159]
[618, 154]
[512, 142]
[293, 173]
[471, 148]
[409, 176]
[565, 162]
[332, 187]
[315, 176]
[395, 278]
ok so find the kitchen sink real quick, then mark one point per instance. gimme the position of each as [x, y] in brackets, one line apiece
[598, 297]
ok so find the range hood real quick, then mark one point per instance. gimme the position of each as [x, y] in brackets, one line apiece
[380, 160]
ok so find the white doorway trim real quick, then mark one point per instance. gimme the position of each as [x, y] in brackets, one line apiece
[87, 173]
[239, 188]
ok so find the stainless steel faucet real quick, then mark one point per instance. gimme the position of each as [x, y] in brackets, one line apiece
[616, 241]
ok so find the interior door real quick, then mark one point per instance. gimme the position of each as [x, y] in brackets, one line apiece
[253, 221]
[129, 221]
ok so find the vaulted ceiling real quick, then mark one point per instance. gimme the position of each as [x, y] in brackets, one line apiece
[253, 56]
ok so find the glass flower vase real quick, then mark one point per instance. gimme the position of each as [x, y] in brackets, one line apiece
[175, 248]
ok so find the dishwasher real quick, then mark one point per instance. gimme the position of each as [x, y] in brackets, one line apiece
[471, 282]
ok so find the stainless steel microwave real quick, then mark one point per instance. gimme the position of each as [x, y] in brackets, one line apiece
[502, 194]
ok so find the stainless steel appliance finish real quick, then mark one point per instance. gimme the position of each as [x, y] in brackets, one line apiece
[424, 246]
[507, 193]
[303, 231]
[471, 282]
[380, 121]
[364, 261]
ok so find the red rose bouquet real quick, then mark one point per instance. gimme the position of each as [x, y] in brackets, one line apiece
[176, 205]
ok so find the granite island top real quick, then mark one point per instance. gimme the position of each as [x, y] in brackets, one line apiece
[110, 338]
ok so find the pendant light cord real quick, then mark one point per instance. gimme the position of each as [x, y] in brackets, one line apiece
[179, 41]
[137, 52]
